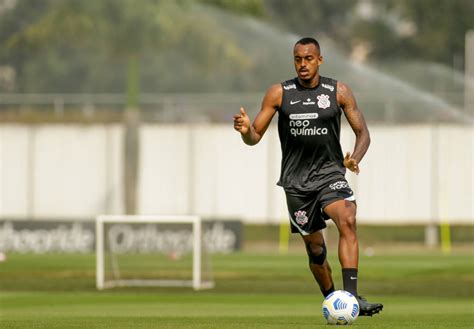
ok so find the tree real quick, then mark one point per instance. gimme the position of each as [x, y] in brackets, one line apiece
[439, 28]
[429, 30]
[123, 29]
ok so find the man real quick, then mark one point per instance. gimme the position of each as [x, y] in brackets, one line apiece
[313, 166]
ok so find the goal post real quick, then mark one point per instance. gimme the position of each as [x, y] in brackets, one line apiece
[198, 248]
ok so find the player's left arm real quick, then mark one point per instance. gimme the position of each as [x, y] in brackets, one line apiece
[346, 100]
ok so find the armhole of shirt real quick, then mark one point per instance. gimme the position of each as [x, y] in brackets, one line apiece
[282, 96]
[339, 108]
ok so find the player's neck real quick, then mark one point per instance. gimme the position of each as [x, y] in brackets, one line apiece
[312, 83]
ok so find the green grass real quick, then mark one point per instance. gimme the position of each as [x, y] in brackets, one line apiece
[420, 289]
[213, 310]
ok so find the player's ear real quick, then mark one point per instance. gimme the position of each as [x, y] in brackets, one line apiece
[320, 60]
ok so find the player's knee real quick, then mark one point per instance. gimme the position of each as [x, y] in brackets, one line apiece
[348, 224]
[316, 253]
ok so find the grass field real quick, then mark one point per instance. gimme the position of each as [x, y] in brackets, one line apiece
[420, 289]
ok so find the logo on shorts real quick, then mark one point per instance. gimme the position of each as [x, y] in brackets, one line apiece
[301, 217]
[338, 185]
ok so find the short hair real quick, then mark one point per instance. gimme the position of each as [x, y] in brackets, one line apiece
[307, 41]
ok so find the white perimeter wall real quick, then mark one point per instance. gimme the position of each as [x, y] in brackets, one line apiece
[410, 174]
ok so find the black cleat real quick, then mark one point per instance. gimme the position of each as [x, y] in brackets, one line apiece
[368, 309]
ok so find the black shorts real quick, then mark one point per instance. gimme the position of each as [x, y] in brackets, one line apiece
[306, 208]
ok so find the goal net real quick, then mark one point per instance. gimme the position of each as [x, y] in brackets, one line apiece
[136, 250]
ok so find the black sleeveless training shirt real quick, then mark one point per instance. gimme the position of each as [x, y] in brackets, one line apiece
[309, 125]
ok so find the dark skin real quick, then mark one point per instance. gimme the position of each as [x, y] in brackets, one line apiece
[307, 60]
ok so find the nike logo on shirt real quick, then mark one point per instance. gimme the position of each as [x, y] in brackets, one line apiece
[294, 102]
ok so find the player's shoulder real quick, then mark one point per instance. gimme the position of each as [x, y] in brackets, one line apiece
[275, 90]
[344, 94]
[274, 95]
[343, 87]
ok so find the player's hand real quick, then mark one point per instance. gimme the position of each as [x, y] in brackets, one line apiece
[351, 163]
[242, 122]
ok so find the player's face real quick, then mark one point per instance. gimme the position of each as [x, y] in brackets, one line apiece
[307, 60]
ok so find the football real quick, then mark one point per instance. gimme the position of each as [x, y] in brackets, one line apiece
[340, 307]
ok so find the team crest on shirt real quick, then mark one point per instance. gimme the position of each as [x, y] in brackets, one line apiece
[323, 101]
[300, 217]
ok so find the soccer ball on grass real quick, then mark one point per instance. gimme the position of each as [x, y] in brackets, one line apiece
[340, 307]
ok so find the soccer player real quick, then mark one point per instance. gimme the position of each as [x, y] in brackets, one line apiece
[313, 166]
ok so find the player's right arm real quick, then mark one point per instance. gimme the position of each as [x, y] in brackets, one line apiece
[252, 134]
